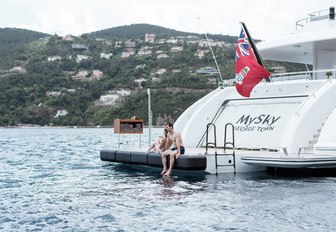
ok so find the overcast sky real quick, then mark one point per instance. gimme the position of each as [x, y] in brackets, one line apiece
[265, 19]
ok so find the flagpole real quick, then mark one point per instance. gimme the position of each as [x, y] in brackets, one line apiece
[254, 48]
[149, 117]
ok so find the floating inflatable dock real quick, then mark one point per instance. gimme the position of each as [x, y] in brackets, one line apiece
[184, 162]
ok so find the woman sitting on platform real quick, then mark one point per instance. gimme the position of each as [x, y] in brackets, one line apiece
[161, 144]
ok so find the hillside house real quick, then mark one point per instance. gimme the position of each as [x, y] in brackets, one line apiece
[53, 93]
[127, 54]
[150, 38]
[61, 113]
[129, 44]
[139, 81]
[18, 69]
[140, 66]
[79, 46]
[105, 55]
[79, 58]
[161, 71]
[161, 41]
[118, 44]
[68, 38]
[162, 56]
[53, 58]
[143, 52]
[177, 49]
[81, 75]
[97, 74]
[212, 81]
[207, 70]
[112, 97]
[201, 53]
[172, 41]
[104, 42]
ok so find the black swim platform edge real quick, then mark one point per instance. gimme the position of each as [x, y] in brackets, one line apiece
[184, 162]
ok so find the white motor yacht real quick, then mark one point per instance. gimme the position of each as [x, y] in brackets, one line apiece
[289, 122]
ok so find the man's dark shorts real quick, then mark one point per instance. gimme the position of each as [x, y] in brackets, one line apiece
[182, 150]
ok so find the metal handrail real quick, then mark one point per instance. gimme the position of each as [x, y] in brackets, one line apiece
[314, 16]
[207, 143]
[225, 137]
[230, 82]
[310, 96]
[303, 72]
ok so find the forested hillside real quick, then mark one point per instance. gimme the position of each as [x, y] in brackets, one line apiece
[136, 31]
[95, 78]
[13, 47]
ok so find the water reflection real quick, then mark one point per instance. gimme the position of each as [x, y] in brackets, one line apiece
[167, 181]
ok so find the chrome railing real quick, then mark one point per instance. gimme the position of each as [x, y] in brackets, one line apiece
[307, 75]
[301, 75]
[312, 95]
[314, 16]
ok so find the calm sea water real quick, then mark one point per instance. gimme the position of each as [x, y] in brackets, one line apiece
[54, 180]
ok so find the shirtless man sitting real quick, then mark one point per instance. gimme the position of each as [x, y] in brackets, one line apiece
[175, 152]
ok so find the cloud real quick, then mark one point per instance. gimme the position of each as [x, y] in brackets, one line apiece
[265, 19]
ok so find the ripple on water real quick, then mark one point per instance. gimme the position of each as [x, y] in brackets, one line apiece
[53, 180]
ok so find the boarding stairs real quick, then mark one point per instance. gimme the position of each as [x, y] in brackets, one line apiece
[315, 96]
[310, 148]
[227, 144]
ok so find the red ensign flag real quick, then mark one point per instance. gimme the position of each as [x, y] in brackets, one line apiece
[248, 72]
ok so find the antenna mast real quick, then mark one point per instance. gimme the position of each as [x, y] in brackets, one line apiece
[213, 55]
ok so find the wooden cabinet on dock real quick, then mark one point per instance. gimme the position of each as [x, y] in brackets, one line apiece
[128, 126]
